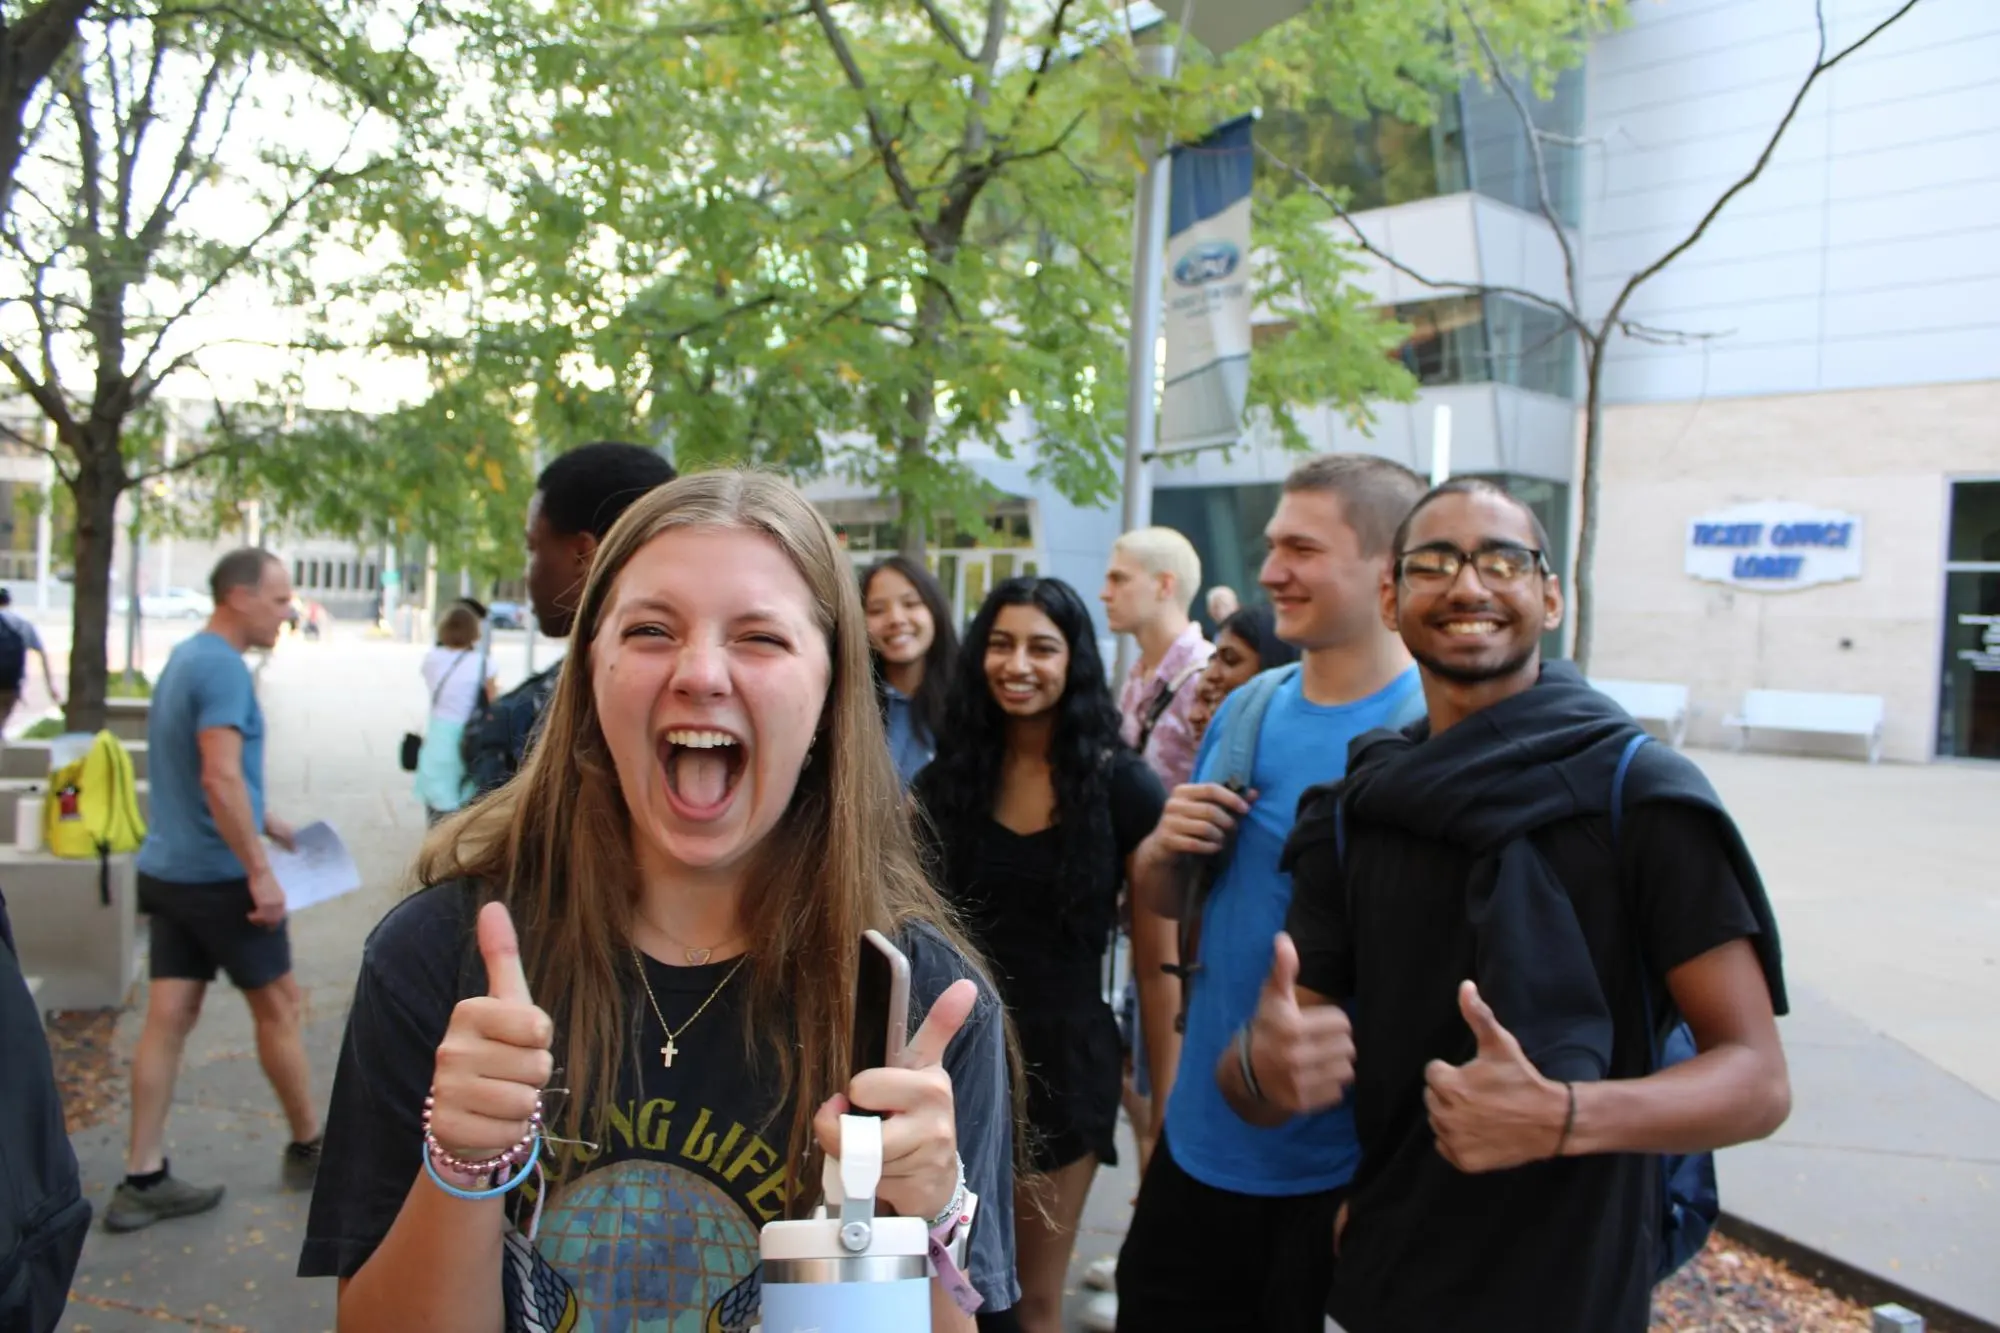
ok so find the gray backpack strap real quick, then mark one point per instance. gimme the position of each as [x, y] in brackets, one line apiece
[1236, 751]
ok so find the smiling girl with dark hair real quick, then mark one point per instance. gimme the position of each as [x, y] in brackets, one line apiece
[1034, 806]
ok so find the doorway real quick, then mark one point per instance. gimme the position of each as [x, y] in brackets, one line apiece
[1969, 700]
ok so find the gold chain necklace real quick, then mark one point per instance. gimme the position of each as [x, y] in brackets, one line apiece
[669, 1051]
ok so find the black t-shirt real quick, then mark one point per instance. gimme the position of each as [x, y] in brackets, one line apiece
[1043, 928]
[658, 1227]
[1566, 1245]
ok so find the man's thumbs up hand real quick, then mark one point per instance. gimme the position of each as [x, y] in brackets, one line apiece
[494, 1060]
[1497, 1111]
[1303, 1055]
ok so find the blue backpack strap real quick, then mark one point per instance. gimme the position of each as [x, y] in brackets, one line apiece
[1618, 784]
[1237, 748]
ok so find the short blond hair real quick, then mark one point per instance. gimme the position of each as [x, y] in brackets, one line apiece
[1165, 551]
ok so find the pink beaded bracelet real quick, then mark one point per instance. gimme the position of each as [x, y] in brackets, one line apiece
[513, 1156]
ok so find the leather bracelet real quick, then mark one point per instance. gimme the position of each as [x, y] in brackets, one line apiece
[1569, 1120]
[1245, 1067]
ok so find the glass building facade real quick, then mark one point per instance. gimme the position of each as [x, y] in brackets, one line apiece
[1475, 143]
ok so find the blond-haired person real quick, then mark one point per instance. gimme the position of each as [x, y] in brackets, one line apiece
[666, 905]
[1149, 585]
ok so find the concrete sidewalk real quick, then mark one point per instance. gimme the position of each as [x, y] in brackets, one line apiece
[1891, 922]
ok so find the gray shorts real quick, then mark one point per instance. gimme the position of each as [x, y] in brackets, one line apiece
[200, 929]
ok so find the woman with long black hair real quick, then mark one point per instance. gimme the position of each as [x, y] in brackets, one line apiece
[1033, 806]
[913, 647]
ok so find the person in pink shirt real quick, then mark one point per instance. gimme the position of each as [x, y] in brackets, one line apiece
[1152, 581]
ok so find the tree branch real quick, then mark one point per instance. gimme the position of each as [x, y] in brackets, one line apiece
[942, 24]
[241, 255]
[47, 396]
[1048, 58]
[1821, 65]
[1534, 136]
[885, 147]
[1339, 210]
[155, 226]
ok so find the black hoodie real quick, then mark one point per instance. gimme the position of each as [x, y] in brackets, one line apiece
[1487, 852]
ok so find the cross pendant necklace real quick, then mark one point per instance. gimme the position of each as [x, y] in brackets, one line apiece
[670, 1050]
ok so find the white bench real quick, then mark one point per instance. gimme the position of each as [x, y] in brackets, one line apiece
[30, 759]
[1821, 714]
[1650, 701]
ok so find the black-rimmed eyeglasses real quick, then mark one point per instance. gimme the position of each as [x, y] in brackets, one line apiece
[1499, 565]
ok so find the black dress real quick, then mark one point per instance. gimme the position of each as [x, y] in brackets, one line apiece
[1045, 933]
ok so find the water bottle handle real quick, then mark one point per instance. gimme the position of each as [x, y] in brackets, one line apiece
[851, 1179]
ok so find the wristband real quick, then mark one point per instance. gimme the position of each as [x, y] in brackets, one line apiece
[947, 1246]
[954, 1210]
[475, 1196]
[1243, 1065]
[1569, 1120]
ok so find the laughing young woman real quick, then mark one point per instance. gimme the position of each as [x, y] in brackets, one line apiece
[914, 648]
[1033, 806]
[706, 826]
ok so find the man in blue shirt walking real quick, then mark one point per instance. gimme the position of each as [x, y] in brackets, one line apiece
[1234, 1223]
[207, 881]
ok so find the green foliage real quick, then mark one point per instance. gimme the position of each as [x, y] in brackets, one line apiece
[865, 239]
[129, 685]
[46, 729]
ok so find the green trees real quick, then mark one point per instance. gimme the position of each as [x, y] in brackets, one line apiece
[866, 238]
[174, 161]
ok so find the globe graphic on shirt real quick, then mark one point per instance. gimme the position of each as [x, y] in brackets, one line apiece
[652, 1248]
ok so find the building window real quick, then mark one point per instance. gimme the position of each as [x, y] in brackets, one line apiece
[1499, 159]
[1490, 340]
[1226, 525]
[1372, 162]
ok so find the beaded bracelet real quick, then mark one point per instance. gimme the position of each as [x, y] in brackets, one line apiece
[527, 1168]
[437, 1152]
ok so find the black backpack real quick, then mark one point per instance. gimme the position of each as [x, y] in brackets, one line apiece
[43, 1214]
[13, 654]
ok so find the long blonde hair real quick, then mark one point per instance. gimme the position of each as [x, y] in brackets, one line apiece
[555, 843]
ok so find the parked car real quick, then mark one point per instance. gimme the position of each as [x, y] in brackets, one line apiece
[507, 615]
[176, 604]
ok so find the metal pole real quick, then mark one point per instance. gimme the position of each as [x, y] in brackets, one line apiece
[1142, 377]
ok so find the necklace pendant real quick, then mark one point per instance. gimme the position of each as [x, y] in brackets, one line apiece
[668, 1052]
[696, 957]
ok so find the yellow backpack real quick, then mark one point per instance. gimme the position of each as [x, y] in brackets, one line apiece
[93, 804]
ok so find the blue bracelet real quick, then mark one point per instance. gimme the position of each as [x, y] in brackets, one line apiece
[475, 1196]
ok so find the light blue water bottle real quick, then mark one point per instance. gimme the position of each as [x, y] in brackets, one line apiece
[845, 1270]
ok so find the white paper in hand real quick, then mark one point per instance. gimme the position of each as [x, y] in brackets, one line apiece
[320, 869]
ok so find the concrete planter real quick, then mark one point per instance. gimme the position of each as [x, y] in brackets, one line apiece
[83, 949]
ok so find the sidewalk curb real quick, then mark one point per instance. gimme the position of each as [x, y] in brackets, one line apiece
[1844, 1279]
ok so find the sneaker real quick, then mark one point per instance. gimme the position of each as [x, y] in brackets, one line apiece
[302, 1164]
[1101, 1314]
[132, 1208]
[1102, 1275]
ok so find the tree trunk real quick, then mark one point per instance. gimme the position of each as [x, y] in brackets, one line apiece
[1585, 589]
[913, 449]
[912, 504]
[96, 496]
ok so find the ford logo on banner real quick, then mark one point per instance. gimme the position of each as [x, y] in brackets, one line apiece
[1211, 261]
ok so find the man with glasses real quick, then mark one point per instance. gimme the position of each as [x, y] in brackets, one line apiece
[1514, 902]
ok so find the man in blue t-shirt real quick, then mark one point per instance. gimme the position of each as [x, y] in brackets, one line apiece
[206, 879]
[1234, 1223]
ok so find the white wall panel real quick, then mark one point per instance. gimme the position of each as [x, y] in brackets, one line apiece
[1868, 253]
